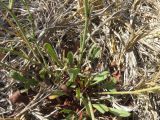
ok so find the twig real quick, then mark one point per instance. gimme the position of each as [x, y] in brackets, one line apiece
[38, 98]
[131, 92]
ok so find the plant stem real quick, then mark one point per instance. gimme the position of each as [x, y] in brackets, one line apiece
[132, 92]
[11, 3]
[8, 66]
[33, 32]
[20, 29]
[83, 40]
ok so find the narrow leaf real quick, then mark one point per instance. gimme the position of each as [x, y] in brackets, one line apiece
[94, 51]
[119, 112]
[79, 95]
[88, 106]
[27, 82]
[42, 73]
[51, 51]
[15, 75]
[68, 111]
[101, 108]
[73, 72]
[100, 77]
[70, 57]
[111, 85]
[91, 109]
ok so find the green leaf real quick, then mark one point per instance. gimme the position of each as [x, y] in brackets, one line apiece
[100, 77]
[91, 49]
[111, 85]
[27, 82]
[73, 72]
[42, 73]
[101, 108]
[119, 112]
[79, 95]
[95, 51]
[70, 57]
[51, 51]
[17, 76]
[67, 111]
[71, 114]
[81, 42]
[89, 108]
[30, 82]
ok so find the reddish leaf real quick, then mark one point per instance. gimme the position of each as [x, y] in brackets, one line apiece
[80, 115]
[116, 75]
[67, 103]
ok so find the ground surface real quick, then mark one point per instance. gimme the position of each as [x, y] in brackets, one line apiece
[60, 60]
